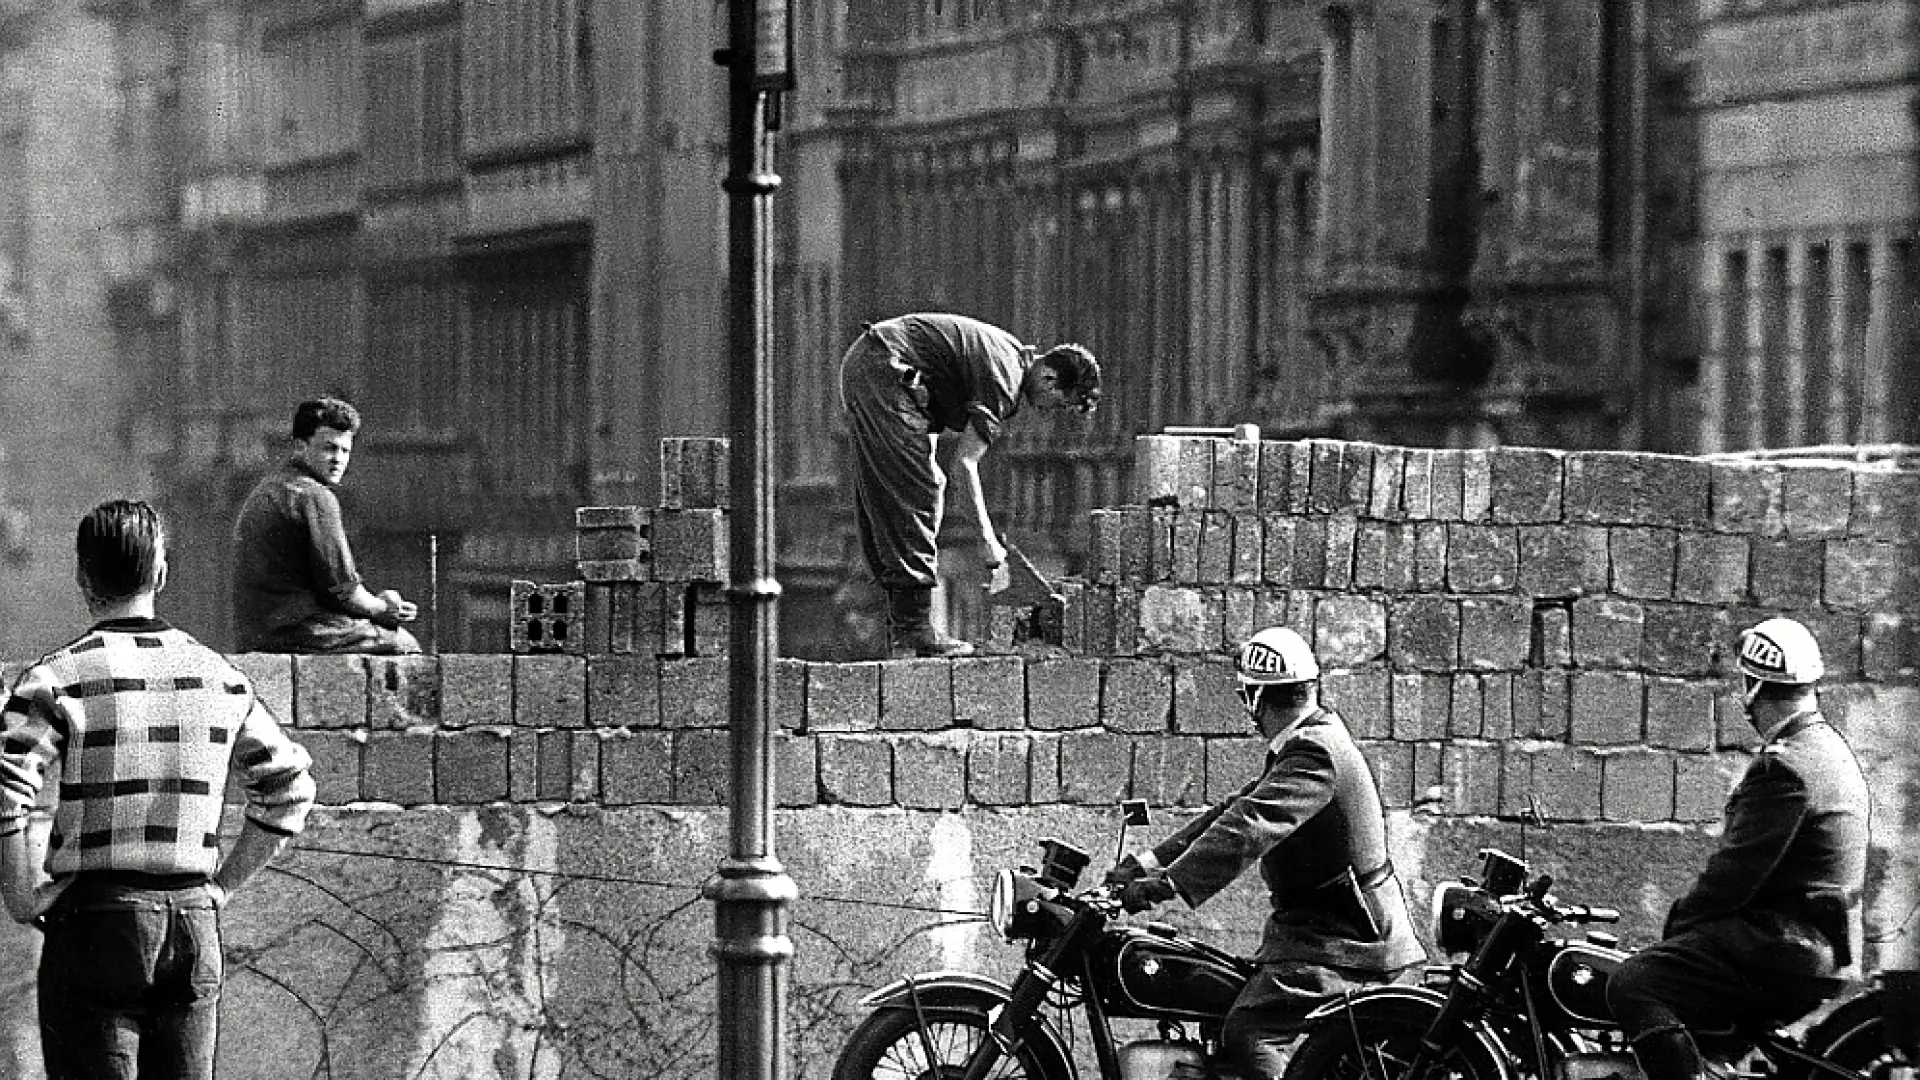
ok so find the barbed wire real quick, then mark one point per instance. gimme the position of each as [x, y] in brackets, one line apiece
[962, 914]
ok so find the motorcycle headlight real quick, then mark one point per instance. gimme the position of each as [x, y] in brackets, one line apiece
[1462, 914]
[1000, 904]
[1015, 907]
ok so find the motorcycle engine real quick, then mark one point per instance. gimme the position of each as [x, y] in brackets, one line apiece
[1599, 1066]
[1162, 1059]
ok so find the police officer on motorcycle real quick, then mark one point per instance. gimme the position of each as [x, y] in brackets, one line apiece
[1769, 930]
[1312, 820]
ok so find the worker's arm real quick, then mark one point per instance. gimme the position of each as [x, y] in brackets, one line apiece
[969, 449]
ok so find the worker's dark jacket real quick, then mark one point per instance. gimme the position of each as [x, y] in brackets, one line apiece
[1313, 822]
[1783, 890]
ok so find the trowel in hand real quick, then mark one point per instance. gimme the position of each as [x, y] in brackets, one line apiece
[1018, 584]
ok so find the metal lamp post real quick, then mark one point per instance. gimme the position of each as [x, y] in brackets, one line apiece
[751, 890]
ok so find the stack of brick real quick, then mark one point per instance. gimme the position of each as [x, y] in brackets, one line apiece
[650, 577]
[1501, 623]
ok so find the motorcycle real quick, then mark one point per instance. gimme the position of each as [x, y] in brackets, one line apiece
[946, 1025]
[1528, 1002]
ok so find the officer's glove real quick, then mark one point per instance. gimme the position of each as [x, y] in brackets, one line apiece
[1143, 893]
[1124, 871]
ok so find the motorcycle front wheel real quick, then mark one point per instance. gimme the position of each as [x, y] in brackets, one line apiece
[1381, 1046]
[893, 1045]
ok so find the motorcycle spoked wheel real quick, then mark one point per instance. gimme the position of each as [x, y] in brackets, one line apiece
[1381, 1046]
[889, 1045]
[1849, 1040]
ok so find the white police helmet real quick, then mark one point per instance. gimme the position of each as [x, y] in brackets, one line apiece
[1275, 656]
[1780, 650]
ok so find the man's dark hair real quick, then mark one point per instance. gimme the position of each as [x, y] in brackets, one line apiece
[119, 546]
[325, 412]
[1077, 374]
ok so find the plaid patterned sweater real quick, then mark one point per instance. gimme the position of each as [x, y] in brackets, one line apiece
[142, 724]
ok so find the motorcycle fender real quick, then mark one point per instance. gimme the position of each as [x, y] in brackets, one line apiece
[1394, 996]
[960, 988]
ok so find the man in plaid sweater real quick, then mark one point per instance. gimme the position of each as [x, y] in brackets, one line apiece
[137, 726]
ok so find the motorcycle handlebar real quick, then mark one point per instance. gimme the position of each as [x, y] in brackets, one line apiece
[1582, 913]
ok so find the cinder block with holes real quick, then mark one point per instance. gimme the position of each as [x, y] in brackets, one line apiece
[548, 618]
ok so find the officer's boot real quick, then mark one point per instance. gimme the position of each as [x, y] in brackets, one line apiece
[910, 624]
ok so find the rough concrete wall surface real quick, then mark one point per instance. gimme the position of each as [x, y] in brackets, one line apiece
[1530, 645]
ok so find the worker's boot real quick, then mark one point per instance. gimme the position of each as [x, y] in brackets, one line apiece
[910, 626]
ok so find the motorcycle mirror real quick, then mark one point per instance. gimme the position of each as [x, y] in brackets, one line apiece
[1540, 887]
[1134, 811]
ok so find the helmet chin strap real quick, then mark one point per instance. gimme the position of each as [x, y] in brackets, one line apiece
[1753, 691]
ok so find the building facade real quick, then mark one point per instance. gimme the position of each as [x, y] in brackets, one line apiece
[498, 227]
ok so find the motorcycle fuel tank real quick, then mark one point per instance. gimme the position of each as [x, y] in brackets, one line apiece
[1577, 981]
[1155, 974]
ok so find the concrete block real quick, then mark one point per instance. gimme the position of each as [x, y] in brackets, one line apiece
[1787, 571]
[1074, 597]
[1214, 562]
[930, 772]
[1136, 696]
[476, 689]
[1156, 470]
[1137, 540]
[694, 473]
[1195, 484]
[1747, 498]
[1637, 785]
[1177, 620]
[1620, 488]
[1864, 573]
[1470, 773]
[1356, 477]
[1309, 563]
[1159, 545]
[1476, 485]
[1682, 639]
[1338, 562]
[1464, 707]
[547, 618]
[270, 675]
[1241, 611]
[702, 767]
[1205, 701]
[916, 695]
[552, 778]
[1416, 484]
[843, 697]
[696, 692]
[1063, 694]
[990, 692]
[1170, 771]
[1496, 705]
[1392, 765]
[997, 770]
[1816, 500]
[1326, 489]
[1839, 633]
[1429, 773]
[1609, 708]
[1103, 545]
[1552, 645]
[1525, 485]
[1680, 714]
[336, 764]
[1496, 632]
[796, 770]
[1643, 562]
[397, 767]
[470, 767]
[583, 761]
[1384, 490]
[1236, 475]
[550, 691]
[1186, 561]
[1886, 505]
[1422, 706]
[1607, 633]
[1363, 697]
[1890, 647]
[690, 545]
[1231, 762]
[612, 535]
[611, 571]
[1398, 561]
[1276, 476]
[1423, 633]
[329, 691]
[1565, 782]
[1482, 558]
[1563, 560]
[403, 691]
[1349, 630]
[1542, 705]
[1276, 549]
[623, 691]
[659, 619]
[1096, 767]
[1701, 784]
[523, 763]
[790, 693]
[1711, 568]
[1370, 556]
[636, 768]
[709, 620]
[1249, 549]
[1449, 485]
[1430, 556]
[856, 770]
[1043, 769]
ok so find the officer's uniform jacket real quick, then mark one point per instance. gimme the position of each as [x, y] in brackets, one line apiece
[1783, 889]
[1312, 820]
